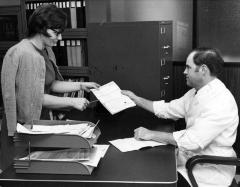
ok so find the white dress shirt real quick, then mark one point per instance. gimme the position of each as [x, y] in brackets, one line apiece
[211, 118]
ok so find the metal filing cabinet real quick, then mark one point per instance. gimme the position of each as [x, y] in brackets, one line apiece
[136, 55]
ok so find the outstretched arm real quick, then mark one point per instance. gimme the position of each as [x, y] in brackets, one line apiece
[139, 101]
[66, 86]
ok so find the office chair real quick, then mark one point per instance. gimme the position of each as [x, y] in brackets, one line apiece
[213, 160]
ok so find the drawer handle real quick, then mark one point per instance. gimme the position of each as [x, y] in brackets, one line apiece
[163, 93]
[166, 78]
[163, 62]
[166, 46]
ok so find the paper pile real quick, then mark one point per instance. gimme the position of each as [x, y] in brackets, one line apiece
[89, 157]
[84, 129]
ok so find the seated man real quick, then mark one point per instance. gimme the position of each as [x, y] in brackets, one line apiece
[211, 117]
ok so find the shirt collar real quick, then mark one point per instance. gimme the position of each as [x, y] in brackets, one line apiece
[208, 87]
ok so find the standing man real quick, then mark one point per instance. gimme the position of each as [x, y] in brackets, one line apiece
[211, 117]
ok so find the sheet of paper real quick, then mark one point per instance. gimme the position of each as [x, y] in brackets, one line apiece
[59, 155]
[89, 157]
[112, 99]
[131, 144]
[97, 152]
[84, 129]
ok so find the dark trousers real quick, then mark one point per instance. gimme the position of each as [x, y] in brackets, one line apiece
[182, 182]
[7, 146]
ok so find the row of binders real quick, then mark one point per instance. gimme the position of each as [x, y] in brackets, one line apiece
[70, 53]
[75, 11]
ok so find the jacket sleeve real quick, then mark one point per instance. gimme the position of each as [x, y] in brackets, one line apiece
[8, 75]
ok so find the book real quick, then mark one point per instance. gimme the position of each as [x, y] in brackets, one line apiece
[66, 9]
[73, 14]
[80, 14]
[62, 54]
[84, 12]
[84, 52]
[69, 54]
[78, 49]
[112, 99]
[73, 53]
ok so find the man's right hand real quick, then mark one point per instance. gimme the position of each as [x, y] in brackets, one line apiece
[130, 94]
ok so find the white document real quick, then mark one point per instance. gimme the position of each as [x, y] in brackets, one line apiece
[84, 129]
[89, 157]
[131, 144]
[59, 155]
[97, 152]
[112, 99]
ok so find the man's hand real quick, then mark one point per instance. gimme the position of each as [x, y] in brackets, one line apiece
[142, 133]
[130, 94]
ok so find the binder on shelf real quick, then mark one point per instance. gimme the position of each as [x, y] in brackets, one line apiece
[84, 12]
[66, 9]
[78, 49]
[73, 14]
[62, 54]
[80, 10]
[73, 53]
[84, 52]
[69, 53]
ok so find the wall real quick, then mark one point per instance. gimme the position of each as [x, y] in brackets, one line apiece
[218, 26]
[150, 10]
[9, 2]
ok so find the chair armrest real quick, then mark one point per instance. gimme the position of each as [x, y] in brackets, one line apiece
[208, 159]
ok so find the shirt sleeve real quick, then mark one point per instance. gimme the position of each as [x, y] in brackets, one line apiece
[172, 110]
[213, 121]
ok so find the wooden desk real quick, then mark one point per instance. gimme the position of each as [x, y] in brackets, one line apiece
[153, 166]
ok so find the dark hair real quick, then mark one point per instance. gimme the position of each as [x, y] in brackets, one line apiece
[211, 58]
[46, 17]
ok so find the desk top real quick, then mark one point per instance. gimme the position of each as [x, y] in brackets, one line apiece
[154, 166]
[149, 166]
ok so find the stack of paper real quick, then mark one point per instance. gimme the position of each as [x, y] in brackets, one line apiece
[84, 129]
[89, 157]
[111, 98]
[131, 144]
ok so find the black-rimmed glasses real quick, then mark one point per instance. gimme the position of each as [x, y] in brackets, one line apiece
[56, 32]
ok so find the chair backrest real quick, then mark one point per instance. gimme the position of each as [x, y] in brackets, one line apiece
[236, 147]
